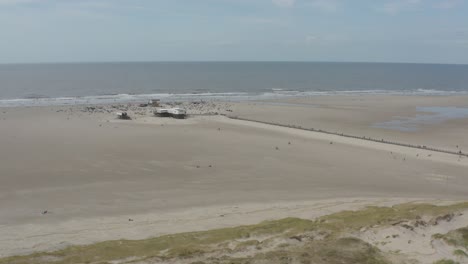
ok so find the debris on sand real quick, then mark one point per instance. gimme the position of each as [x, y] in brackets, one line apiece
[147, 108]
[298, 238]
[123, 115]
[446, 218]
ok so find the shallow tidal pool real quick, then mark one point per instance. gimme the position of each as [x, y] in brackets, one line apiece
[428, 116]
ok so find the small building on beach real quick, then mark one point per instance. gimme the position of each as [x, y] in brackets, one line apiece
[178, 113]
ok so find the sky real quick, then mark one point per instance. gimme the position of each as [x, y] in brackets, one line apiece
[420, 31]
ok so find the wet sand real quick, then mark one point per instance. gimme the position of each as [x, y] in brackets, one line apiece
[358, 115]
[92, 173]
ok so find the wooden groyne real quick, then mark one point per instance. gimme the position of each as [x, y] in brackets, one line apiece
[383, 141]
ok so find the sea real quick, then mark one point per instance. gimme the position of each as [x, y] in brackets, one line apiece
[97, 83]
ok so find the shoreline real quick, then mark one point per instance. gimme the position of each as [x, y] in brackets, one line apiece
[219, 97]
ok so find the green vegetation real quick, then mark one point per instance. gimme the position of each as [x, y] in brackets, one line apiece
[446, 261]
[387, 215]
[460, 253]
[246, 244]
[169, 246]
[457, 238]
[345, 250]
[266, 242]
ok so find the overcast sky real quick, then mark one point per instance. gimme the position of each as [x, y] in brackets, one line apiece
[433, 31]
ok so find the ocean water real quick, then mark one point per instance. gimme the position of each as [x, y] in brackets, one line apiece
[48, 84]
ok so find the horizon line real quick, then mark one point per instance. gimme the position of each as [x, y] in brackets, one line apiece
[225, 61]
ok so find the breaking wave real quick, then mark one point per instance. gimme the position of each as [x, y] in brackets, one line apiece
[275, 93]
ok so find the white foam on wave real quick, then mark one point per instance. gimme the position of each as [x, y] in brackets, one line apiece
[435, 92]
[227, 96]
[117, 98]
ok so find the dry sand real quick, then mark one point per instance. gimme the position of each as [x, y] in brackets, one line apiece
[93, 173]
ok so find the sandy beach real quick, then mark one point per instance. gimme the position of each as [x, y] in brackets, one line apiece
[93, 173]
[362, 115]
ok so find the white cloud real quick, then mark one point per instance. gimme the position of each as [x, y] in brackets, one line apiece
[284, 3]
[447, 4]
[310, 39]
[395, 7]
[260, 21]
[17, 2]
[325, 5]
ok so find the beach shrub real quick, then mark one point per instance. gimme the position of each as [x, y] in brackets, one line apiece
[446, 261]
[330, 247]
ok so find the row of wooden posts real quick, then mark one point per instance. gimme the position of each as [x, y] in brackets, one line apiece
[459, 153]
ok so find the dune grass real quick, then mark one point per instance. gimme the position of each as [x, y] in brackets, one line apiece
[332, 248]
[457, 238]
[446, 261]
[460, 253]
[344, 250]
[387, 215]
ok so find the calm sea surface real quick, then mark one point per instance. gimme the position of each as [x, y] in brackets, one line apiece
[29, 84]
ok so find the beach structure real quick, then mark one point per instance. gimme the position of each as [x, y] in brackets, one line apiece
[122, 115]
[178, 113]
[154, 102]
[162, 112]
